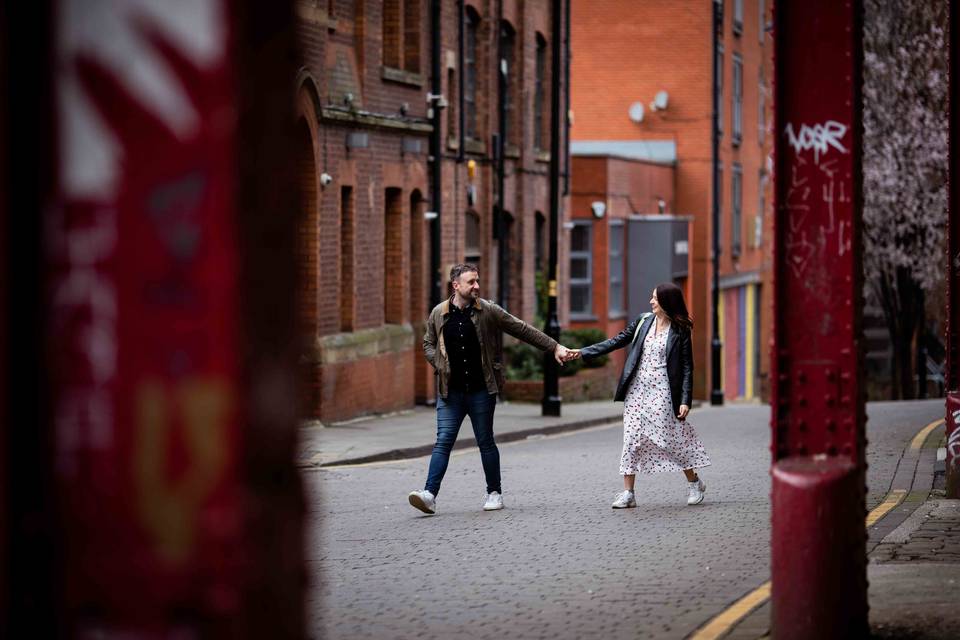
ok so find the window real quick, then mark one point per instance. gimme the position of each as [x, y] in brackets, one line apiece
[719, 236]
[346, 259]
[539, 260]
[581, 268]
[391, 33]
[615, 252]
[737, 133]
[736, 231]
[470, 74]
[392, 254]
[508, 67]
[737, 17]
[451, 106]
[401, 35]
[761, 209]
[761, 21]
[539, 134]
[719, 96]
[761, 108]
[471, 239]
[411, 36]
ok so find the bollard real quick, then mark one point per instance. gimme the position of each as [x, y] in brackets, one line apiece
[818, 554]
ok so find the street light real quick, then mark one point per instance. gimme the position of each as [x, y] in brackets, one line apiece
[716, 393]
[550, 404]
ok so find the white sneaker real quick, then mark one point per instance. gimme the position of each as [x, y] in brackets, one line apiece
[423, 500]
[624, 501]
[494, 502]
[697, 489]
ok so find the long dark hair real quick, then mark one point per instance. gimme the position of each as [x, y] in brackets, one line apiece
[670, 299]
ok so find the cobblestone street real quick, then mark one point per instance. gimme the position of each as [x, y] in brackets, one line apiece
[558, 562]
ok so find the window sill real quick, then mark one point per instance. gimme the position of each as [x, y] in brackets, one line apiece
[736, 141]
[453, 143]
[541, 156]
[474, 146]
[616, 315]
[402, 77]
[511, 151]
[582, 317]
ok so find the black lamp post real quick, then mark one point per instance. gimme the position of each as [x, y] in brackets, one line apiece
[716, 392]
[550, 405]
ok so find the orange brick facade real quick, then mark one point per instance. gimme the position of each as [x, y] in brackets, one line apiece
[364, 170]
[666, 45]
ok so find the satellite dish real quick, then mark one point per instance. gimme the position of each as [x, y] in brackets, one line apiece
[636, 112]
[659, 101]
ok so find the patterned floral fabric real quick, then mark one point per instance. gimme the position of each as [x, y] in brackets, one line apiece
[654, 439]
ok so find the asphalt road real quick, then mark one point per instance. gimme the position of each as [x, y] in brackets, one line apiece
[558, 562]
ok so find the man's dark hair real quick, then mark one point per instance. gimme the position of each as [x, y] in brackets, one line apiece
[458, 270]
[670, 299]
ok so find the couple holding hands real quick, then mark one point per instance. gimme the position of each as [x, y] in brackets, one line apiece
[463, 343]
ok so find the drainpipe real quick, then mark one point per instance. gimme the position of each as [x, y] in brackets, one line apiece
[566, 98]
[461, 97]
[436, 188]
[716, 392]
[499, 144]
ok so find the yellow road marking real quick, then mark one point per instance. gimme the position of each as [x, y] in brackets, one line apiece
[921, 436]
[894, 498]
[737, 611]
[727, 619]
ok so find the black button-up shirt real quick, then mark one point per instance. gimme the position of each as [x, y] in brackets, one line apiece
[463, 350]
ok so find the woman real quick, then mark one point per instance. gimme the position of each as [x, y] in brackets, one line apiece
[655, 386]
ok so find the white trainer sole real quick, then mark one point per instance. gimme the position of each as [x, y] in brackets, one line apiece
[417, 502]
[493, 508]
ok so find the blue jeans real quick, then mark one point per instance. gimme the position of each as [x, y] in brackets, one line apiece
[451, 411]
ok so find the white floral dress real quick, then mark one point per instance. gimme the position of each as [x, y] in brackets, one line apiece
[654, 439]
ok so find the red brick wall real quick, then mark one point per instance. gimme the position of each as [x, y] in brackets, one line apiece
[626, 51]
[373, 256]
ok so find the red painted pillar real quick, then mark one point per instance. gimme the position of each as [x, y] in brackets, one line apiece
[818, 408]
[953, 270]
[168, 247]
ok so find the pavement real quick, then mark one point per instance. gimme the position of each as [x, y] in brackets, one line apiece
[410, 434]
[557, 563]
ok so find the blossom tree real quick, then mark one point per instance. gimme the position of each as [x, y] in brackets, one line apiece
[905, 144]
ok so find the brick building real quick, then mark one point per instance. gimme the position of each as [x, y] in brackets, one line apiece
[364, 133]
[625, 53]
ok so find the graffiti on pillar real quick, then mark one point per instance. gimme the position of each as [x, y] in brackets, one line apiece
[819, 137]
[953, 443]
[817, 185]
[142, 258]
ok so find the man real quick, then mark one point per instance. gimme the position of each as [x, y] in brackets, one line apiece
[463, 342]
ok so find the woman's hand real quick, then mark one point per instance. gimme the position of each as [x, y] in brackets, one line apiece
[684, 410]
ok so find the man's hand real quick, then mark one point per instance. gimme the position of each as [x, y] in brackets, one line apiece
[684, 410]
[562, 354]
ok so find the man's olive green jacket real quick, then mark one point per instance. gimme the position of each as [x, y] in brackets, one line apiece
[490, 321]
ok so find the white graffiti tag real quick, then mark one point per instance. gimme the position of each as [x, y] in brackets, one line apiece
[953, 443]
[819, 137]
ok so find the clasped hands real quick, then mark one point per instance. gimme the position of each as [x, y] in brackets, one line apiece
[563, 354]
